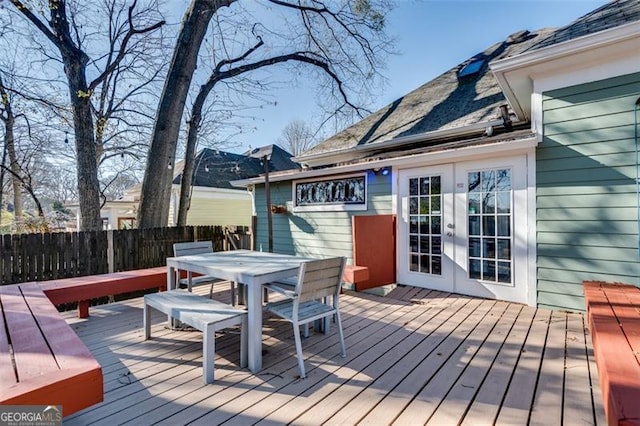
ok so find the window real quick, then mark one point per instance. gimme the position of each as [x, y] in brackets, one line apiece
[340, 193]
[471, 68]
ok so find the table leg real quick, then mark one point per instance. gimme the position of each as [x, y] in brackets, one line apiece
[254, 326]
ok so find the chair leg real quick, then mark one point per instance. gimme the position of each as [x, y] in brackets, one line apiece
[296, 335]
[341, 334]
[211, 291]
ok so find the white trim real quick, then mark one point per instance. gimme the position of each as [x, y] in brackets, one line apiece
[337, 207]
[593, 57]
[416, 160]
[532, 242]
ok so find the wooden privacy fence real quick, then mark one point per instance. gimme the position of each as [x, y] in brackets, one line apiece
[49, 256]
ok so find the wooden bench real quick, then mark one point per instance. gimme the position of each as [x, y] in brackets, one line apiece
[356, 275]
[613, 312]
[42, 360]
[83, 289]
[204, 314]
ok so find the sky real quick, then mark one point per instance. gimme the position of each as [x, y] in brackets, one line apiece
[432, 36]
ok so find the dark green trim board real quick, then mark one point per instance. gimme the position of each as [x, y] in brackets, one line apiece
[586, 195]
[316, 233]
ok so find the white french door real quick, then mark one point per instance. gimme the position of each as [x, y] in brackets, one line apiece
[425, 250]
[463, 228]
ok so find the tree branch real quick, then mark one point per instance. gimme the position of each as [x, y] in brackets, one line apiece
[123, 46]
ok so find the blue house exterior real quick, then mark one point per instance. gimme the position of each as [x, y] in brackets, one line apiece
[512, 176]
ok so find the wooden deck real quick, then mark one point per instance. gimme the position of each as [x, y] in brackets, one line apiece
[413, 357]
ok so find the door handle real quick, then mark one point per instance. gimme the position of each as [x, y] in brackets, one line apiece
[449, 234]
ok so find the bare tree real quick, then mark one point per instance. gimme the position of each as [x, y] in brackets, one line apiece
[8, 117]
[342, 41]
[297, 137]
[64, 30]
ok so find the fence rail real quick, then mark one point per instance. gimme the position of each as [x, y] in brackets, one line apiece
[49, 256]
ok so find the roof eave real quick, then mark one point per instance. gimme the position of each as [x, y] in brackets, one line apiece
[515, 74]
[360, 151]
[475, 151]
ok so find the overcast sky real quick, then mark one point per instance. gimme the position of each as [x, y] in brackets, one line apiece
[432, 37]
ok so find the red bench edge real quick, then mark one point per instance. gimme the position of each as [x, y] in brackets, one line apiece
[618, 371]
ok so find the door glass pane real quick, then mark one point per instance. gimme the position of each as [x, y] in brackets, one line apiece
[413, 243]
[413, 186]
[504, 249]
[413, 224]
[489, 211]
[424, 186]
[425, 225]
[435, 203]
[424, 244]
[414, 265]
[413, 205]
[504, 202]
[436, 245]
[424, 205]
[425, 264]
[435, 185]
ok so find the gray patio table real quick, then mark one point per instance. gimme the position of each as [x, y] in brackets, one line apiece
[251, 268]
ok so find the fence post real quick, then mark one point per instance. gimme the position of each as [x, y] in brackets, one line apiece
[110, 252]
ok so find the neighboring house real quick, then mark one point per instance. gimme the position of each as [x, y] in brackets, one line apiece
[511, 176]
[213, 200]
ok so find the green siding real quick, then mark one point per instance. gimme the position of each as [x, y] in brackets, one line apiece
[319, 234]
[586, 192]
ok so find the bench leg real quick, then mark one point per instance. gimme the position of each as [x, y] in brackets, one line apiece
[83, 309]
[208, 353]
[146, 320]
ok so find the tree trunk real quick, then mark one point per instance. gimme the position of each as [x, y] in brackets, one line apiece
[189, 154]
[87, 166]
[9, 143]
[156, 186]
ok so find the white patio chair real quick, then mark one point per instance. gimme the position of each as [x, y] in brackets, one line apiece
[200, 247]
[315, 296]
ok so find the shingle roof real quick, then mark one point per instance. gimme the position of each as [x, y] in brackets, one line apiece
[214, 169]
[443, 103]
[610, 15]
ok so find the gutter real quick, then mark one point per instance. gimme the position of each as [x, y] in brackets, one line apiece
[456, 154]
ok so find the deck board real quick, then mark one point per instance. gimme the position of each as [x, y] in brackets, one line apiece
[414, 356]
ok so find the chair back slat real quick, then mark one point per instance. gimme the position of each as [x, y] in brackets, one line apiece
[192, 247]
[320, 278]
